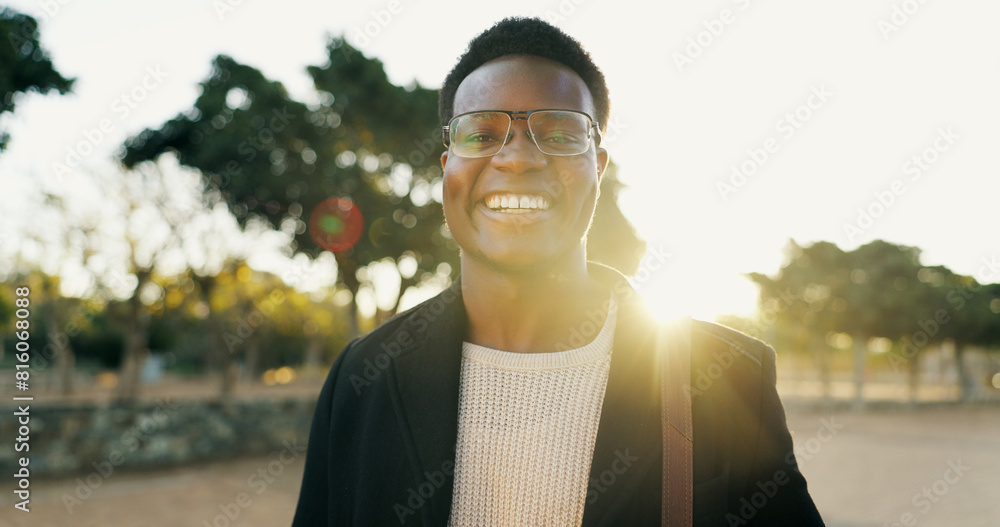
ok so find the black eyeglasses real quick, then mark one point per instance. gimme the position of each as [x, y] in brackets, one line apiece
[555, 132]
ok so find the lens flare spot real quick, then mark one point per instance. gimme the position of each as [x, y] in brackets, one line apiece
[336, 224]
[331, 225]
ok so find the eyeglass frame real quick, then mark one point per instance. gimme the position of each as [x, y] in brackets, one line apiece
[524, 114]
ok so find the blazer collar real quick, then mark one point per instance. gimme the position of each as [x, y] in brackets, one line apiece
[427, 378]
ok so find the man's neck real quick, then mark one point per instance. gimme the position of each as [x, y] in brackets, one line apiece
[529, 312]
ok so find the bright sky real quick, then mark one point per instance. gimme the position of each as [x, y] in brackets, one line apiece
[821, 105]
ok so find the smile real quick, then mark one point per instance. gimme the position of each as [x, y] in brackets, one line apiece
[516, 203]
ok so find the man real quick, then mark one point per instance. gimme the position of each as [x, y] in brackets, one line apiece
[528, 393]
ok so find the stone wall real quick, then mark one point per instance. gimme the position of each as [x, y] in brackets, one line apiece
[80, 439]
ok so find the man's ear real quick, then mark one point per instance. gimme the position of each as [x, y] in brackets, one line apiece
[602, 162]
[444, 159]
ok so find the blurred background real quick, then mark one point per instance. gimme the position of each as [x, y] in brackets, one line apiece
[201, 203]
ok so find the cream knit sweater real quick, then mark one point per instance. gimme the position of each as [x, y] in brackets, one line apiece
[527, 423]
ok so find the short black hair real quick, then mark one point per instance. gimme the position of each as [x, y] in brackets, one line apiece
[526, 36]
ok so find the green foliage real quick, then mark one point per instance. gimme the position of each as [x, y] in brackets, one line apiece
[24, 65]
[612, 240]
[877, 290]
[7, 308]
[271, 157]
[102, 342]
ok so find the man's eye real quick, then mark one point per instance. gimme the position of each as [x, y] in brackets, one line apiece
[560, 137]
[480, 137]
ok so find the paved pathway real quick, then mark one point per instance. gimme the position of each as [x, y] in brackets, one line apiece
[864, 470]
[878, 466]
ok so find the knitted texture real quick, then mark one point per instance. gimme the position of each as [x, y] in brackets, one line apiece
[527, 423]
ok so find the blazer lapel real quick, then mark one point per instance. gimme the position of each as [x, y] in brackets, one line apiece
[427, 376]
[628, 444]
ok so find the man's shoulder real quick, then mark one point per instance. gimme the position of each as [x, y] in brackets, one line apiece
[711, 338]
[405, 330]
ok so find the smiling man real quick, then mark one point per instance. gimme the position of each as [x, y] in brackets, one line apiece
[529, 392]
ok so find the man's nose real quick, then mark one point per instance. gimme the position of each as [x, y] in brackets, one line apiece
[519, 153]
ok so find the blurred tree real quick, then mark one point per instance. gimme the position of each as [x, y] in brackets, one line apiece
[273, 158]
[866, 293]
[56, 312]
[989, 332]
[135, 230]
[805, 301]
[24, 65]
[926, 293]
[7, 317]
[884, 298]
[969, 315]
[612, 239]
[878, 290]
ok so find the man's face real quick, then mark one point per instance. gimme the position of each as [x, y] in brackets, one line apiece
[476, 189]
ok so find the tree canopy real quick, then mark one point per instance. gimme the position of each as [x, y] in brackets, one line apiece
[24, 65]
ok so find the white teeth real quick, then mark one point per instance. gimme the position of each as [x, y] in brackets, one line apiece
[516, 203]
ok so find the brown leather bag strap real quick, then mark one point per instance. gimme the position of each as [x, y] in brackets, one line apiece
[674, 349]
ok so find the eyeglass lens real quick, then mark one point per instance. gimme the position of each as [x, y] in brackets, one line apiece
[555, 132]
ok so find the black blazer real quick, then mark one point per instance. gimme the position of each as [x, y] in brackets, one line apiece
[382, 446]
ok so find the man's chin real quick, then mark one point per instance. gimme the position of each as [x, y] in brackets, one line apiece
[520, 262]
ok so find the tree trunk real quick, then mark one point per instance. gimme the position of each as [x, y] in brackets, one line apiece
[404, 284]
[252, 357]
[65, 362]
[860, 360]
[65, 359]
[824, 371]
[914, 377]
[965, 379]
[223, 356]
[347, 274]
[136, 349]
[313, 358]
